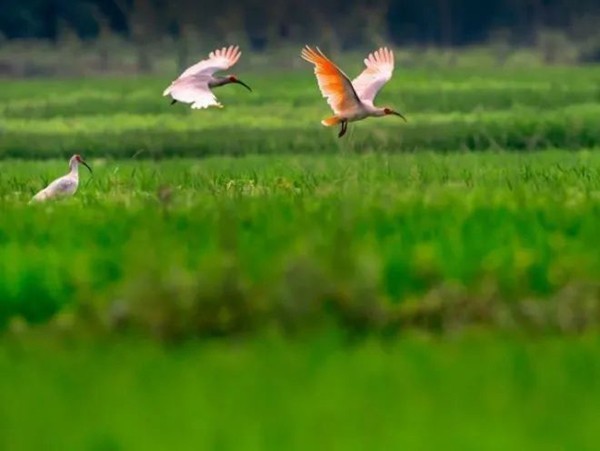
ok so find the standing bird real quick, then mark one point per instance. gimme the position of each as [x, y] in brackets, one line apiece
[352, 100]
[195, 83]
[65, 185]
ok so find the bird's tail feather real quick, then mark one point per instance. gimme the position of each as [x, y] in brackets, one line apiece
[331, 121]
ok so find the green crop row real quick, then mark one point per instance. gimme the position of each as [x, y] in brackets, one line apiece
[124, 135]
[446, 111]
[146, 98]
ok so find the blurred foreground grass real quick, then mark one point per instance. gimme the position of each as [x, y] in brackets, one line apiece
[375, 242]
[478, 392]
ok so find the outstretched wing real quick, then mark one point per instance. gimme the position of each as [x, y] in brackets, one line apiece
[193, 90]
[220, 59]
[192, 85]
[333, 83]
[380, 66]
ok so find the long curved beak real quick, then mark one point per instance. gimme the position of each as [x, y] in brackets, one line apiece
[86, 165]
[240, 82]
[395, 113]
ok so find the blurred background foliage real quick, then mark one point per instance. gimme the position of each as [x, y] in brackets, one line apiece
[37, 37]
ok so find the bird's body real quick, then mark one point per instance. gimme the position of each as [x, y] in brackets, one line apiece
[195, 83]
[352, 101]
[65, 185]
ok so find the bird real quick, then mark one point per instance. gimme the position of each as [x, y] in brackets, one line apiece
[352, 100]
[65, 185]
[195, 83]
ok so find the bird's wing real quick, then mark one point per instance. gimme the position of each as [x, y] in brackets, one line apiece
[333, 83]
[59, 187]
[220, 59]
[380, 66]
[193, 90]
[63, 185]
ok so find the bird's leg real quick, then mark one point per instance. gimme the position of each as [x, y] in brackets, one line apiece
[173, 102]
[343, 129]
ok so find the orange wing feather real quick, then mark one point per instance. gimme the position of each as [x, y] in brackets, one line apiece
[333, 83]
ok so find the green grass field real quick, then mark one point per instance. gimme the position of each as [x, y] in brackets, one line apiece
[447, 111]
[243, 279]
[476, 393]
[377, 241]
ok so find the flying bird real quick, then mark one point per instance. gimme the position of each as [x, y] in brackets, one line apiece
[352, 100]
[195, 83]
[65, 185]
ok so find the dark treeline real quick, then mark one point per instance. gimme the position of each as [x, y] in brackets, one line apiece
[429, 22]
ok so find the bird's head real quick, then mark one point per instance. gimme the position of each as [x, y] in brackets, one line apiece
[76, 159]
[387, 111]
[234, 79]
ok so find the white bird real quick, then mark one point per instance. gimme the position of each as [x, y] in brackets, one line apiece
[195, 83]
[65, 185]
[352, 100]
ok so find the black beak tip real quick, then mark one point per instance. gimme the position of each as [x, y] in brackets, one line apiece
[402, 116]
[240, 82]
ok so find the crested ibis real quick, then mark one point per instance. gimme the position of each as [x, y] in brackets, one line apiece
[352, 100]
[195, 84]
[65, 185]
